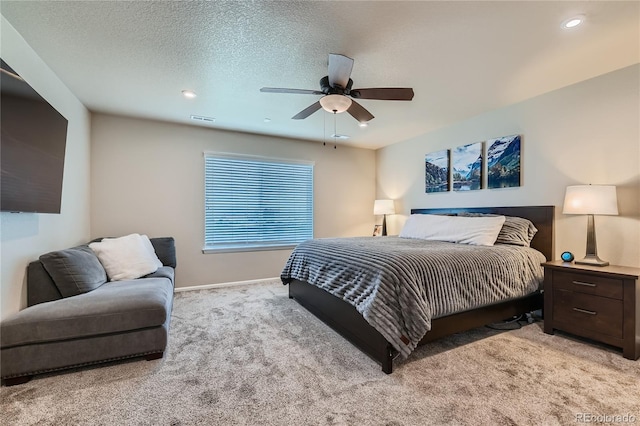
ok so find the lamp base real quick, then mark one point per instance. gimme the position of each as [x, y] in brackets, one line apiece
[592, 260]
[591, 257]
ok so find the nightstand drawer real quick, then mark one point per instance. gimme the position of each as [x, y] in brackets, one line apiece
[599, 314]
[590, 284]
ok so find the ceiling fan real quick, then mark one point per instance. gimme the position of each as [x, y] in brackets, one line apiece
[338, 96]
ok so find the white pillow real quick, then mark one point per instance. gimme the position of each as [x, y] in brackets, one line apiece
[481, 231]
[126, 258]
[151, 250]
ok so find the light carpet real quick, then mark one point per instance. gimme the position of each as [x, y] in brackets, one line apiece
[249, 355]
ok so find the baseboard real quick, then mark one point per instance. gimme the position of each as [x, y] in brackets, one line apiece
[223, 285]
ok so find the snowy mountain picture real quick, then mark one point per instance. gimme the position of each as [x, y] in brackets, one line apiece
[436, 171]
[503, 162]
[467, 167]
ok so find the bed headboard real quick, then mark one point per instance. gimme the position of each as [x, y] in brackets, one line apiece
[541, 216]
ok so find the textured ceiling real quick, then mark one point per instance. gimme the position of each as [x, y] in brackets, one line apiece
[461, 58]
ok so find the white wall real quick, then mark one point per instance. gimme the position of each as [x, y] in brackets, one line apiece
[25, 236]
[148, 177]
[584, 133]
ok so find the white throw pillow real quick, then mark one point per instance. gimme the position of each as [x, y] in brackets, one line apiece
[481, 231]
[125, 258]
[151, 250]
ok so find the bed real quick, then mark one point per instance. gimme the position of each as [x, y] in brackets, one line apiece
[343, 317]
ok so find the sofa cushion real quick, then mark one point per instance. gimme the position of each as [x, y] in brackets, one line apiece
[127, 257]
[74, 271]
[112, 308]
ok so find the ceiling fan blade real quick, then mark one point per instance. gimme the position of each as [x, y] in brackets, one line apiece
[307, 111]
[358, 112]
[340, 67]
[294, 91]
[384, 93]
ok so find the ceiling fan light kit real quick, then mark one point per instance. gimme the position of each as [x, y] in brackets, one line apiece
[335, 103]
[338, 95]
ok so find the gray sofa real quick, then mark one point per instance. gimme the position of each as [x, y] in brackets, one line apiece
[106, 321]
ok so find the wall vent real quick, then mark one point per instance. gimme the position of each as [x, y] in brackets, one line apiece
[342, 137]
[203, 118]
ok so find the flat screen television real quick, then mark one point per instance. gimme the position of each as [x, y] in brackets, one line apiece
[32, 148]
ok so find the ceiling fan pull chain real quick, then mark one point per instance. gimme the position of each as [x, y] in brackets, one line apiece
[324, 130]
[335, 133]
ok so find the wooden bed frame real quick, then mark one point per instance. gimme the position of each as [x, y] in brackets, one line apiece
[347, 321]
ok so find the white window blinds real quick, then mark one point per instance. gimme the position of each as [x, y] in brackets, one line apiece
[255, 203]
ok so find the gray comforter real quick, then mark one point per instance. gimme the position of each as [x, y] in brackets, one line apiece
[400, 284]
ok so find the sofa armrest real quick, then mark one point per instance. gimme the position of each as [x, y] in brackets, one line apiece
[163, 272]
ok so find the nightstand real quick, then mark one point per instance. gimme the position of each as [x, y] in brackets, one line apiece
[599, 303]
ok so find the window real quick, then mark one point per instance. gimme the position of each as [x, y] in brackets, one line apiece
[256, 203]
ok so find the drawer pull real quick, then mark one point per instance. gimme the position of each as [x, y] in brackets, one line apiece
[584, 284]
[584, 311]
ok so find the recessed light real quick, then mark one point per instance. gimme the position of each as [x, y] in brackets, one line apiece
[189, 94]
[573, 22]
[267, 120]
[363, 124]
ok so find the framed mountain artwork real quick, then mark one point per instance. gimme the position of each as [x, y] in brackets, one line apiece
[467, 167]
[436, 171]
[503, 162]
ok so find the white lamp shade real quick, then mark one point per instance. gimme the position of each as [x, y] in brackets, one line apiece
[383, 207]
[337, 103]
[590, 199]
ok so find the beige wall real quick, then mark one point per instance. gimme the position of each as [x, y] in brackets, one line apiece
[584, 133]
[148, 177]
[25, 236]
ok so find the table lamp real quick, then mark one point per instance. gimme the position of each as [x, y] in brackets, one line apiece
[384, 207]
[591, 200]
